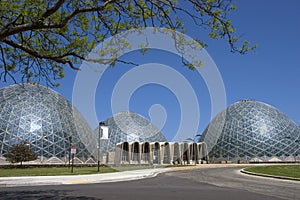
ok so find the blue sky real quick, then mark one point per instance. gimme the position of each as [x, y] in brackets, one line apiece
[271, 74]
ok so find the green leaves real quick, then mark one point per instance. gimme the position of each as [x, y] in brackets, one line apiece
[39, 38]
[214, 35]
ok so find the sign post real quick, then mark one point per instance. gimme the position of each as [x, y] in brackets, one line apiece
[73, 151]
[103, 134]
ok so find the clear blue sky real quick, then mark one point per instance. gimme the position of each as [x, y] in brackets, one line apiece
[271, 74]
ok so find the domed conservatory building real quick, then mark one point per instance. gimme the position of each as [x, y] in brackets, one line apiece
[129, 127]
[247, 131]
[46, 121]
[252, 131]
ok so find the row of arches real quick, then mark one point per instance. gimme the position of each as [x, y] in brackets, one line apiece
[160, 153]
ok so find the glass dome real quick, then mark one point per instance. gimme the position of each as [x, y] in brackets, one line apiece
[129, 127]
[46, 120]
[251, 130]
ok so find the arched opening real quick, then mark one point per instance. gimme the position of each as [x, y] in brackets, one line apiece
[167, 156]
[125, 152]
[176, 157]
[185, 153]
[194, 152]
[156, 153]
[146, 152]
[204, 153]
[136, 152]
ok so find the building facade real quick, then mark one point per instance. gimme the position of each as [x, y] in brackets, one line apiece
[167, 153]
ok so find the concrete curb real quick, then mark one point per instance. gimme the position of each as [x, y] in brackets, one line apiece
[269, 176]
[80, 179]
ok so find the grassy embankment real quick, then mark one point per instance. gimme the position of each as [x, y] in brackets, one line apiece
[277, 170]
[52, 171]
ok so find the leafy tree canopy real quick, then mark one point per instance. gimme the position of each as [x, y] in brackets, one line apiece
[38, 38]
[20, 153]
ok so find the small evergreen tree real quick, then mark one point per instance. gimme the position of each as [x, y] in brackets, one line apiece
[20, 153]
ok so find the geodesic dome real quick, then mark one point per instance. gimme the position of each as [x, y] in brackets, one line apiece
[46, 120]
[251, 130]
[129, 127]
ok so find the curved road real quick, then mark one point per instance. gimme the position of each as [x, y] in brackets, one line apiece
[202, 183]
[232, 178]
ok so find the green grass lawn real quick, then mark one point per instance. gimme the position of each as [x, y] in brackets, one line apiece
[277, 170]
[53, 171]
[58, 171]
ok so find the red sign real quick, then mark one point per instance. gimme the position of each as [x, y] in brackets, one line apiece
[73, 150]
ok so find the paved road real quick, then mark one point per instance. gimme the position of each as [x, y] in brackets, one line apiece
[232, 178]
[208, 184]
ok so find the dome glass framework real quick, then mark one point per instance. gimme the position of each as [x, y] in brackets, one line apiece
[46, 120]
[250, 130]
[129, 127]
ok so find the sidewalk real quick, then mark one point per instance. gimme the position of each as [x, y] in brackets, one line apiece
[80, 179]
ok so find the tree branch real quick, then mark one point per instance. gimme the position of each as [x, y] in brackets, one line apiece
[53, 9]
[59, 59]
[6, 71]
[40, 25]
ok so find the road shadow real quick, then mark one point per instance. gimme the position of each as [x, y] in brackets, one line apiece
[42, 195]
